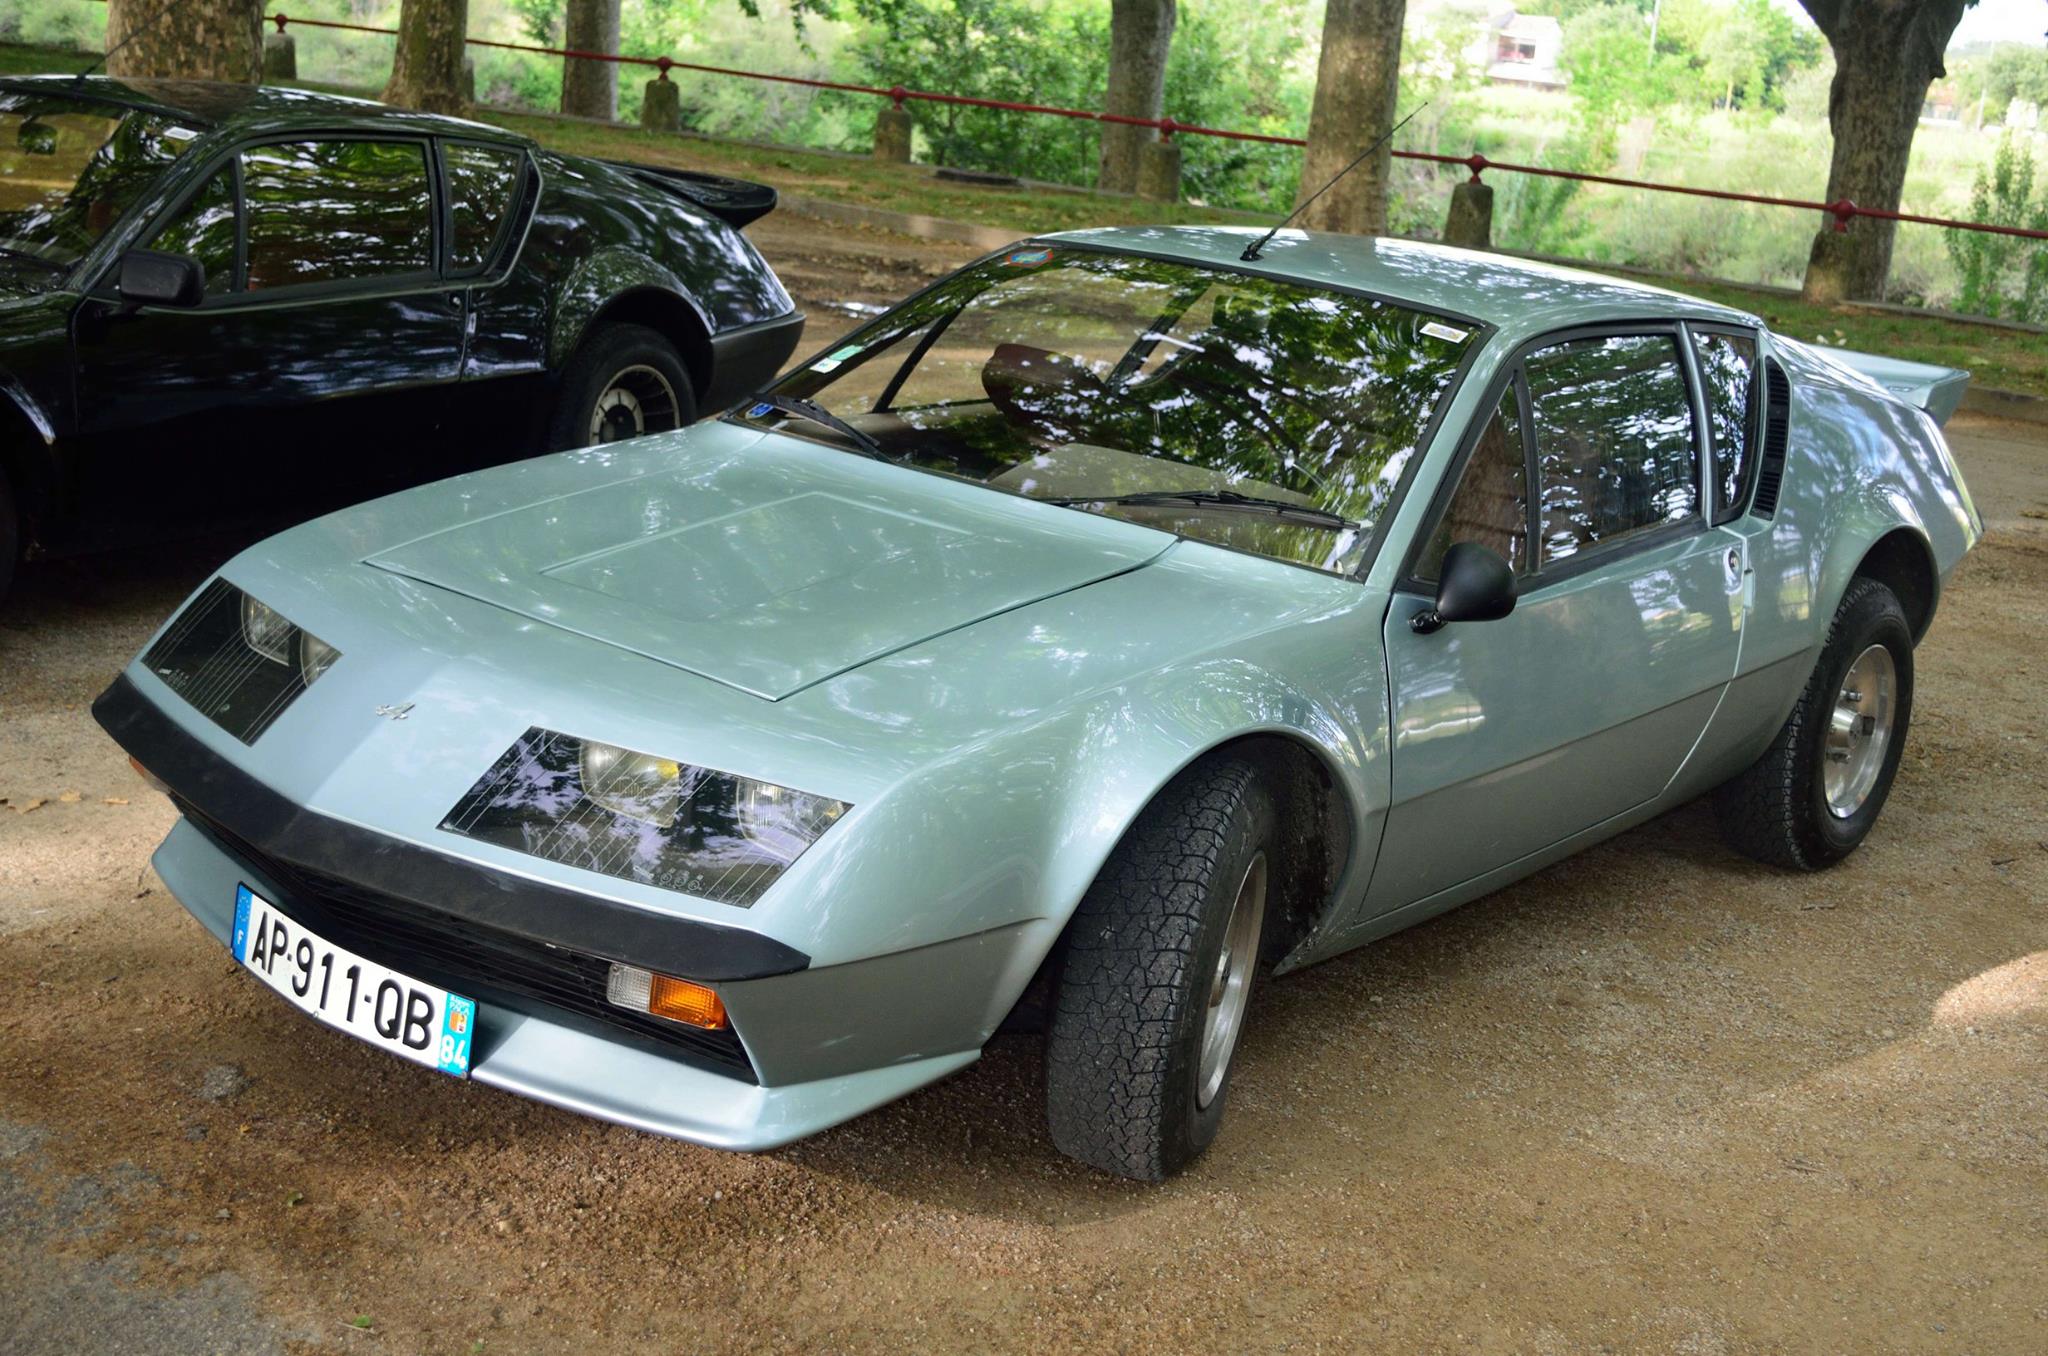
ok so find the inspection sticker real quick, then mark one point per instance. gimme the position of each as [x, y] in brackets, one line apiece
[1027, 258]
[835, 358]
[1450, 334]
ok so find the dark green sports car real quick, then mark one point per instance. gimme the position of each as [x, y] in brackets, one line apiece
[217, 299]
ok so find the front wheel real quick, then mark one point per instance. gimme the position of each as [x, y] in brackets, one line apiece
[624, 382]
[1157, 978]
[1817, 791]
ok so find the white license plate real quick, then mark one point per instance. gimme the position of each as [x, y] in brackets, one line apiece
[394, 1012]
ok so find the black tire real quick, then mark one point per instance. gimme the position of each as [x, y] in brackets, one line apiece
[1123, 1055]
[631, 357]
[1777, 811]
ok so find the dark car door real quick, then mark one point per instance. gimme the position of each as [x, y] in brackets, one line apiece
[307, 375]
[1589, 474]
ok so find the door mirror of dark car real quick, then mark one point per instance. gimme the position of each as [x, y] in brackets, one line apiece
[1475, 584]
[36, 138]
[153, 278]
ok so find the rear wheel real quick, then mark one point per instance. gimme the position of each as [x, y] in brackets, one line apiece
[1161, 960]
[624, 382]
[1817, 791]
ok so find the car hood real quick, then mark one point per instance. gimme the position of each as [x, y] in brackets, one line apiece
[765, 562]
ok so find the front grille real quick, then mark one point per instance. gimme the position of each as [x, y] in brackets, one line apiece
[473, 959]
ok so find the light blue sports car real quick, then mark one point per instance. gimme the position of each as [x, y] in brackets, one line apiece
[1112, 623]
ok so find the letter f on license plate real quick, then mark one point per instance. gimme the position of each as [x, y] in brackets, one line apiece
[394, 1012]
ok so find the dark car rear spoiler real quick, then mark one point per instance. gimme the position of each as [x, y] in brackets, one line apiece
[733, 201]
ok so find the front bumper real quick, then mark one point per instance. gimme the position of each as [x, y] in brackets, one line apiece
[610, 1079]
[817, 1046]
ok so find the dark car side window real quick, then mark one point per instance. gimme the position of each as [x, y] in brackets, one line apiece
[336, 211]
[1615, 448]
[204, 228]
[483, 184]
[1728, 376]
[1491, 504]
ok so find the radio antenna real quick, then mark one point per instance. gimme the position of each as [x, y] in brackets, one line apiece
[1251, 251]
[151, 22]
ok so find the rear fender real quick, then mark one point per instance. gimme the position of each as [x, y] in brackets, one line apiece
[598, 280]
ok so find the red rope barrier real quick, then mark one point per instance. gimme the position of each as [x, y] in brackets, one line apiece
[1842, 211]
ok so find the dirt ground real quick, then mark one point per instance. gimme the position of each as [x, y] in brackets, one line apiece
[1654, 1099]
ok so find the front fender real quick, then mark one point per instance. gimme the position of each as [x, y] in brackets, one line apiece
[37, 418]
[1083, 708]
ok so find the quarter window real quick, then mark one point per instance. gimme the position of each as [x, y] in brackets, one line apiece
[1728, 375]
[205, 229]
[1615, 448]
[483, 183]
[1491, 503]
[332, 211]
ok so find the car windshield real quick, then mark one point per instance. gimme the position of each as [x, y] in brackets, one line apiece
[1261, 415]
[69, 168]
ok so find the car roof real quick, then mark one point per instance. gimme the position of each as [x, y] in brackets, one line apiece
[1516, 296]
[248, 108]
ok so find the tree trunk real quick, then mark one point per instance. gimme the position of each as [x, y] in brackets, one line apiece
[187, 40]
[1140, 38]
[590, 89]
[1887, 52]
[1358, 79]
[426, 72]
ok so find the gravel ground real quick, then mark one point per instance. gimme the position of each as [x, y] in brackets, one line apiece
[1656, 1098]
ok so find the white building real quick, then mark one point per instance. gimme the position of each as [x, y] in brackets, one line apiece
[1520, 49]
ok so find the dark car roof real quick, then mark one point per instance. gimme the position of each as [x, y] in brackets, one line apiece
[248, 108]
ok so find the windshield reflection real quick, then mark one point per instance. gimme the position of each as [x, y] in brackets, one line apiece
[1081, 375]
[69, 168]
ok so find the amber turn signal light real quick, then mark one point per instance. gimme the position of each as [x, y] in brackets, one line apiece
[147, 775]
[677, 1000]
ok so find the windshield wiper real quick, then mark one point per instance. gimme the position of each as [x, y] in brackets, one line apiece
[815, 413]
[50, 264]
[1306, 514]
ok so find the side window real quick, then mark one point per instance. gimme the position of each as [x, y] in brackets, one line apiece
[1615, 452]
[483, 184]
[1728, 375]
[205, 229]
[328, 211]
[1491, 504]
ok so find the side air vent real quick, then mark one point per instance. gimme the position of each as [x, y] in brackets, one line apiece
[1770, 472]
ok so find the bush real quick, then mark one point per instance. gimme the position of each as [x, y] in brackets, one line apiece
[2004, 276]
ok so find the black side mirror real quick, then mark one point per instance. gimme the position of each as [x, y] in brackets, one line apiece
[36, 138]
[153, 278]
[1475, 584]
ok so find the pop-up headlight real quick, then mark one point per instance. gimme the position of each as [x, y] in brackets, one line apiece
[641, 817]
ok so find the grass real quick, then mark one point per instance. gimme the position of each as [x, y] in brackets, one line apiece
[855, 179]
[2011, 360]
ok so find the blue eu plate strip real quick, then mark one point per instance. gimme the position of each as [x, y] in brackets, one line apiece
[240, 943]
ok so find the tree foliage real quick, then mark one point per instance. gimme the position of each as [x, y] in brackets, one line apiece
[2002, 275]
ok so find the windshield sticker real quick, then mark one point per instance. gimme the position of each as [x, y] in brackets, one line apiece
[756, 411]
[833, 359]
[180, 133]
[1450, 334]
[1027, 258]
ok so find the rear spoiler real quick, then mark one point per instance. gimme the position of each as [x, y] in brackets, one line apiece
[733, 201]
[1937, 390]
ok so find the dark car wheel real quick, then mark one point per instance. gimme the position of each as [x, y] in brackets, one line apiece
[1160, 962]
[625, 381]
[1818, 789]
